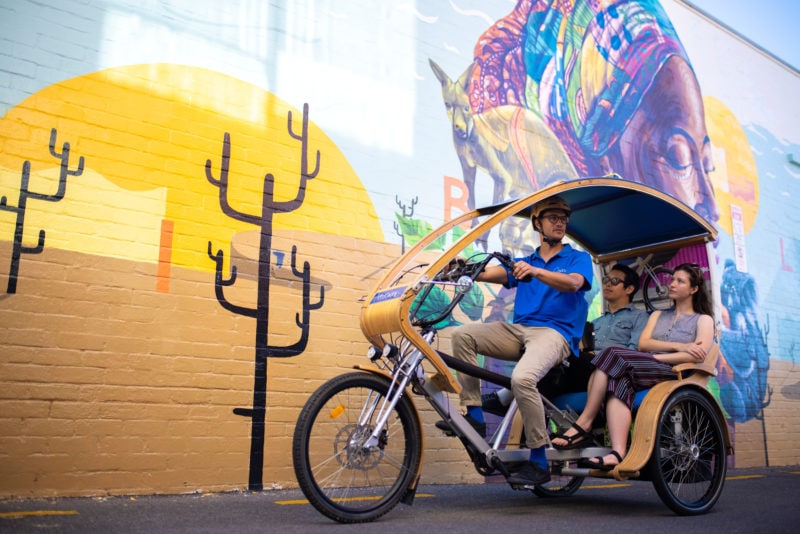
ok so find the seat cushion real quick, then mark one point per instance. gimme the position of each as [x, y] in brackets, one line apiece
[577, 401]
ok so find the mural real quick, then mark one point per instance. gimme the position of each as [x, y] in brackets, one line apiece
[187, 195]
[171, 217]
[263, 218]
[511, 144]
[22, 203]
[612, 83]
[128, 135]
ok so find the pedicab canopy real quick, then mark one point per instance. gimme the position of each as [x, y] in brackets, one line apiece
[611, 219]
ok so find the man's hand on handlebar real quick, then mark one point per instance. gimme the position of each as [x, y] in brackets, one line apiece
[505, 260]
[519, 269]
[523, 271]
[453, 270]
[458, 267]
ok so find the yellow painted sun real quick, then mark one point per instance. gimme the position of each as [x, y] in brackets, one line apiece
[145, 133]
[735, 178]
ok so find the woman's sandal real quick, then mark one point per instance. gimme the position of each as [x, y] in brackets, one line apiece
[580, 439]
[599, 464]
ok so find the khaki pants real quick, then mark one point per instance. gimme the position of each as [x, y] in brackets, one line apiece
[536, 350]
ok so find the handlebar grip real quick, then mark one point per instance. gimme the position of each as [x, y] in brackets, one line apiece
[508, 263]
[504, 259]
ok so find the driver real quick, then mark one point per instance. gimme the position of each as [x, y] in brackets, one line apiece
[550, 310]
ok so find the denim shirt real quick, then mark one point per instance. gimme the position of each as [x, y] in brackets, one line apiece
[619, 329]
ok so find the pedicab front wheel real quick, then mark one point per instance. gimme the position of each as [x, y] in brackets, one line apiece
[689, 459]
[342, 473]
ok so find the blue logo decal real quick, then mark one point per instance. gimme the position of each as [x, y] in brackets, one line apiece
[389, 294]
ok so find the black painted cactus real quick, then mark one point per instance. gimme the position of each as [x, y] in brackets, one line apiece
[260, 312]
[22, 205]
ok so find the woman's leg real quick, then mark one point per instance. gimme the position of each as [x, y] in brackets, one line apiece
[618, 418]
[595, 393]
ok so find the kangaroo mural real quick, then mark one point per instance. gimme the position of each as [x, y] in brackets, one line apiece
[510, 143]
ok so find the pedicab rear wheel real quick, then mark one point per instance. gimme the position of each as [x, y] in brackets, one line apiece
[689, 459]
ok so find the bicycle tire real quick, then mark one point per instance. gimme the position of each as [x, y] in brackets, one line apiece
[689, 459]
[559, 486]
[342, 480]
[655, 289]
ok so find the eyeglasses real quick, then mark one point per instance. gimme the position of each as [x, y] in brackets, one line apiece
[556, 218]
[613, 281]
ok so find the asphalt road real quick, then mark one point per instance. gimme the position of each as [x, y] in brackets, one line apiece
[753, 500]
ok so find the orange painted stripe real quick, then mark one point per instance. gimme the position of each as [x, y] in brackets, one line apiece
[164, 256]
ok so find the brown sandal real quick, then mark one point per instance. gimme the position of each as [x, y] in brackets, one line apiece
[600, 465]
[580, 439]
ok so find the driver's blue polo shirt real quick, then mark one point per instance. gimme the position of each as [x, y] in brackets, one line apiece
[537, 304]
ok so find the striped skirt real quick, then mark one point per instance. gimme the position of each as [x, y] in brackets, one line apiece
[630, 371]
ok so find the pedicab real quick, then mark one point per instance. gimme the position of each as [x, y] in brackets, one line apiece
[358, 444]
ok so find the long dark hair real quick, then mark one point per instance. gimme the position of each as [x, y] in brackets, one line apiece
[701, 302]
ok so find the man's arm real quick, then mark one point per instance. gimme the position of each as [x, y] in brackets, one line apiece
[566, 282]
[570, 283]
[494, 274]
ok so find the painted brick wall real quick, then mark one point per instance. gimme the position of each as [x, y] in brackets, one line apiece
[120, 370]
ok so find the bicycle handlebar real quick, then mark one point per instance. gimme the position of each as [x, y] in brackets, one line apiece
[460, 273]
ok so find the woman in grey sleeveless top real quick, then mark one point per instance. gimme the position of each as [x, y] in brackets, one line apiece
[684, 333]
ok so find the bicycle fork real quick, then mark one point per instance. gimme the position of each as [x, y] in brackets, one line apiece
[408, 367]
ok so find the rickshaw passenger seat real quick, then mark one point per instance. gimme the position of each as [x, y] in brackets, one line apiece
[577, 401]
